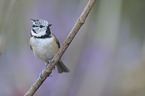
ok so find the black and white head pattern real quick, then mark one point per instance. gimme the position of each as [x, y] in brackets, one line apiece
[40, 28]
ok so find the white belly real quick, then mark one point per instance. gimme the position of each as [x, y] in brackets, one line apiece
[44, 49]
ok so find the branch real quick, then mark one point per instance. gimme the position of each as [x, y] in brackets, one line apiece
[47, 71]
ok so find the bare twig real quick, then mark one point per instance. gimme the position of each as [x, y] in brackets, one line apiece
[47, 71]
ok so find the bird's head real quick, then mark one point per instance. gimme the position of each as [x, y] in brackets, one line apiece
[40, 28]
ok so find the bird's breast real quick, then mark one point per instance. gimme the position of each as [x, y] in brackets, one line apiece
[44, 49]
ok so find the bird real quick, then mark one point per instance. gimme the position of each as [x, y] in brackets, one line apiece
[44, 43]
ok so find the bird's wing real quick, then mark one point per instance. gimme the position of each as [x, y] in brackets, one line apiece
[57, 41]
[30, 45]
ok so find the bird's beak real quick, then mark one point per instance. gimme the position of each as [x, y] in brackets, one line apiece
[49, 25]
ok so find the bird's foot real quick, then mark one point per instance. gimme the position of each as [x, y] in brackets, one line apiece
[40, 75]
[50, 63]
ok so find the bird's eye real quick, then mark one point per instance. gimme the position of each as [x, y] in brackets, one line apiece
[34, 26]
[41, 26]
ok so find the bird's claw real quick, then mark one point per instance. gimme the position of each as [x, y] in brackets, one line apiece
[40, 75]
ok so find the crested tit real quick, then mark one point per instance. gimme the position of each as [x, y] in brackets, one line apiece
[44, 44]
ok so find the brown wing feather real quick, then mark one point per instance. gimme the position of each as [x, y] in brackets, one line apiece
[57, 41]
[30, 45]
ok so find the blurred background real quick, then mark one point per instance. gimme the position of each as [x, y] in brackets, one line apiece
[106, 58]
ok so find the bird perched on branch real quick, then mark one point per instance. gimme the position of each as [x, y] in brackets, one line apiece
[44, 44]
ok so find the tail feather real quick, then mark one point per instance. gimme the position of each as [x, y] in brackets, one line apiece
[61, 67]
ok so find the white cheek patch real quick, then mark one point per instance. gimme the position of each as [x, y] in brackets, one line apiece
[38, 34]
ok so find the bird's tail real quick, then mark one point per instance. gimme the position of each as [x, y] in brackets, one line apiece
[61, 67]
